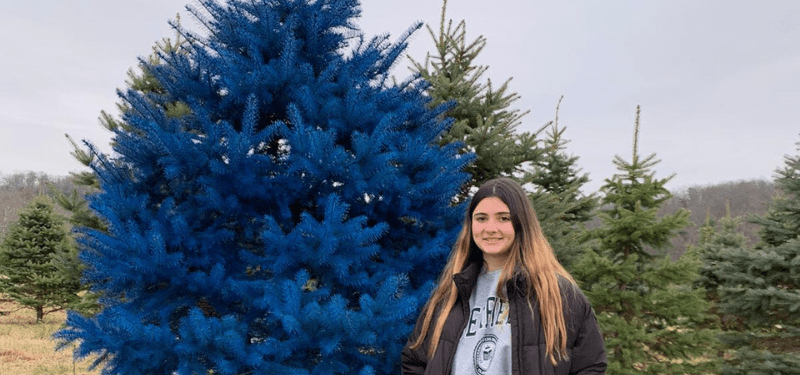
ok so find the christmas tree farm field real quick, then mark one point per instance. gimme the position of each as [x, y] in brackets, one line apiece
[26, 348]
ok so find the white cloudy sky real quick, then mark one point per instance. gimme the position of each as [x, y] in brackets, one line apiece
[718, 80]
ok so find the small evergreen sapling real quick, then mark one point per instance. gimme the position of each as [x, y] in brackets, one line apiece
[715, 237]
[651, 317]
[762, 286]
[560, 206]
[292, 222]
[29, 261]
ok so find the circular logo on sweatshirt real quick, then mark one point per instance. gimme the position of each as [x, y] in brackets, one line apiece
[483, 354]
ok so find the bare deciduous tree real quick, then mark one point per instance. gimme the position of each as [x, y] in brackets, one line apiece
[17, 189]
[742, 198]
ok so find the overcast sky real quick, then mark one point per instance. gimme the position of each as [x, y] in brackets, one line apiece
[718, 81]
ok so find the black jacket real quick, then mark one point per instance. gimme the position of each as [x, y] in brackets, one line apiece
[584, 340]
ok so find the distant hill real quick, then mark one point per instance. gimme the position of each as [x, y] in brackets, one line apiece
[746, 197]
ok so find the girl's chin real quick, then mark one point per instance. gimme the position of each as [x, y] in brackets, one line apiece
[494, 250]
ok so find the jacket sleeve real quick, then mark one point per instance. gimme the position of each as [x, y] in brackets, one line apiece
[414, 361]
[588, 355]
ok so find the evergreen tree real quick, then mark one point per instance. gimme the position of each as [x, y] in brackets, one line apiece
[647, 309]
[560, 206]
[714, 237]
[29, 255]
[762, 286]
[782, 222]
[486, 125]
[87, 182]
[484, 122]
[145, 83]
[292, 222]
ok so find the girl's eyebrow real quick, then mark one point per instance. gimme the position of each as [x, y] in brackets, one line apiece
[496, 213]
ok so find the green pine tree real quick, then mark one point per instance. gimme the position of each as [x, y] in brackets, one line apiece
[141, 80]
[560, 205]
[762, 286]
[650, 314]
[29, 260]
[782, 222]
[484, 121]
[714, 236]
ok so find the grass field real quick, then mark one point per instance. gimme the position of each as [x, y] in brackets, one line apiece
[26, 348]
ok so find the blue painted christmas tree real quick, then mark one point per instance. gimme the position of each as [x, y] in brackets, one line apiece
[292, 223]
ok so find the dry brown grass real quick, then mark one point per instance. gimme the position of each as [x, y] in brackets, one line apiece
[26, 348]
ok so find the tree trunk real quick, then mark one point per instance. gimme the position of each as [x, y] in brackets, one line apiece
[39, 314]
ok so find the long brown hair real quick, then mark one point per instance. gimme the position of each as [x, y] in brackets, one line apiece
[530, 258]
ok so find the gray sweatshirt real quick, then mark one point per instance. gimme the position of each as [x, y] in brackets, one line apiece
[485, 344]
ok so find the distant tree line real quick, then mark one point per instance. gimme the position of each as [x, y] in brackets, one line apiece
[742, 198]
[17, 189]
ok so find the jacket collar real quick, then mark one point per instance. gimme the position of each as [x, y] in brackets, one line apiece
[466, 279]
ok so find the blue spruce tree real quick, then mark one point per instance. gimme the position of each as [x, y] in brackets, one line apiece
[759, 288]
[291, 222]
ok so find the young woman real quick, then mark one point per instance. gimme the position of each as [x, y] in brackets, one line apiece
[503, 303]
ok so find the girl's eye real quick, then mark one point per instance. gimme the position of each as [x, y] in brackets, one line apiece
[480, 219]
[505, 218]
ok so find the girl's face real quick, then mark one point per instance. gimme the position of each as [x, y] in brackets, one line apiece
[493, 231]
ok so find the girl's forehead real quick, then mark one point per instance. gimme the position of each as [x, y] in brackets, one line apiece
[491, 205]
